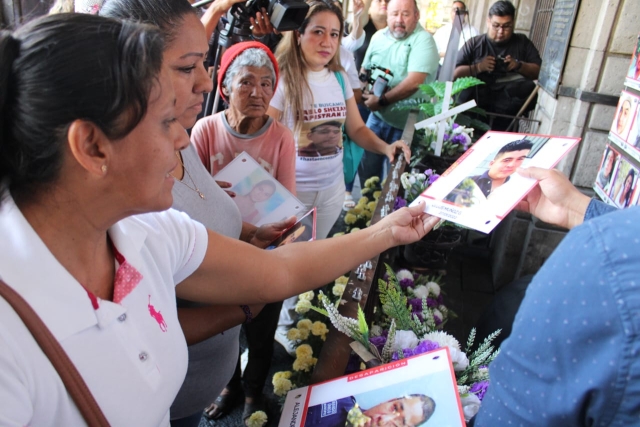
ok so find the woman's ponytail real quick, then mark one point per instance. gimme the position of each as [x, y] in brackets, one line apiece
[9, 51]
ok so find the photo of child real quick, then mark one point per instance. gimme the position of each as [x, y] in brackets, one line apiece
[625, 114]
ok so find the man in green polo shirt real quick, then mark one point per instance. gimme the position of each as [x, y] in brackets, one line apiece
[410, 53]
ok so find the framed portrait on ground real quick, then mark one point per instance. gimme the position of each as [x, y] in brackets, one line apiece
[302, 231]
[482, 187]
[626, 112]
[259, 196]
[633, 74]
[419, 390]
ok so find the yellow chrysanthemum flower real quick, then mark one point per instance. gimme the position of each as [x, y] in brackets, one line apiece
[309, 296]
[342, 280]
[304, 324]
[303, 306]
[304, 351]
[281, 386]
[350, 219]
[257, 419]
[319, 329]
[293, 334]
[281, 374]
[337, 290]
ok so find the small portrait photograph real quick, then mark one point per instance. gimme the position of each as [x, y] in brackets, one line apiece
[496, 170]
[260, 198]
[481, 188]
[624, 186]
[420, 402]
[634, 134]
[421, 392]
[607, 167]
[302, 231]
[634, 67]
[320, 139]
[625, 113]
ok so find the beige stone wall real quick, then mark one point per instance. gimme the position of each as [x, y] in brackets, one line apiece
[603, 39]
[604, 35]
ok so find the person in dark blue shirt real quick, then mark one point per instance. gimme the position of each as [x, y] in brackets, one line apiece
[572, 356]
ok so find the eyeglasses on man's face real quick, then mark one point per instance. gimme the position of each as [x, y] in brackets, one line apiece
[504, 27]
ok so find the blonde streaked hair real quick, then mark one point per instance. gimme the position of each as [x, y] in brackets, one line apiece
[293, 67]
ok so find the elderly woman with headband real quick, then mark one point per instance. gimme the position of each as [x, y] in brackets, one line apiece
[90, 133]
[213, 355]
[247, 79]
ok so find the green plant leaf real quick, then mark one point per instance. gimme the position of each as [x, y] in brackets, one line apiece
[427, 90]
[362, 324]
[463, 83]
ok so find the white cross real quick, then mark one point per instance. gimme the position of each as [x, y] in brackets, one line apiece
[445, 114]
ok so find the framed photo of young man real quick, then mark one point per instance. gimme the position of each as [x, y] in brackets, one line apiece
[481, 188]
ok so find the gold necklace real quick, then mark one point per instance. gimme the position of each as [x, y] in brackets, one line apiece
[195, 187]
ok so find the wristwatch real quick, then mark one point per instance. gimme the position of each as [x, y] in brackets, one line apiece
[518, 65]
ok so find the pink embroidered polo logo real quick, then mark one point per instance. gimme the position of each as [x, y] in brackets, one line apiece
[157, 316]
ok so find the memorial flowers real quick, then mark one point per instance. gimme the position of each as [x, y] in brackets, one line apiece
[411, 322]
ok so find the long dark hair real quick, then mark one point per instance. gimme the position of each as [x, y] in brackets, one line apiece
[61, 68]
[167, 15]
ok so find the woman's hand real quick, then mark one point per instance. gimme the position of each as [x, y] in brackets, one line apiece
[267, 233]
[554, 200]
[225, 184]
[408, 225]
[397, 146]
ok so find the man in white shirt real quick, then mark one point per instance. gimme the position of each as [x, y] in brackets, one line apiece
[441, 37]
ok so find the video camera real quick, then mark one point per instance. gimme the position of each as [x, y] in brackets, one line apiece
[285, 15]
[380, 84]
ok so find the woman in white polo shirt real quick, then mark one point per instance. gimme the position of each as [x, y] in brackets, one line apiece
[89, 136]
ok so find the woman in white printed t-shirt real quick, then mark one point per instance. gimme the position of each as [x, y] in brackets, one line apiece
[309, 95]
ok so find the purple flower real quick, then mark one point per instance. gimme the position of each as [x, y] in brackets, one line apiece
[353, 364]
[446, 137]
[455, 126]
[405, 283]
[480, 388]
[425, 346]
[416, 305]
[458, 139]
[399, 203]
[379, 342]
[428, 172]
[406, 353]
[437, 320]
[433, 178]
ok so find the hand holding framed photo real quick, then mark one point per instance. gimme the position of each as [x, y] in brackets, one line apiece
[260, 198]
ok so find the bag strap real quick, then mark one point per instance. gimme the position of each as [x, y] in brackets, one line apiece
[341, 81]
[71, 378]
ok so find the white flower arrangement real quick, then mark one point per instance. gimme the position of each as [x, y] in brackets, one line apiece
[443, 339]
[404, 273]
[404, 339]
[433, 288]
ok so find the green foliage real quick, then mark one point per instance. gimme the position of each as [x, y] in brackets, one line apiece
[387, 350]
[482, 356]
[463, 83]
[362, 324]
[394, 304]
